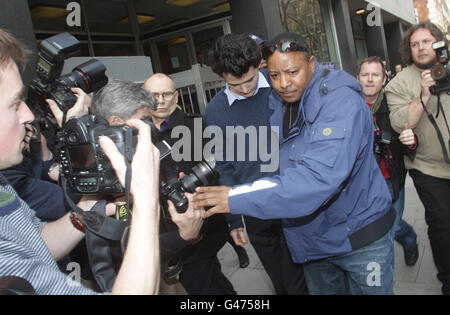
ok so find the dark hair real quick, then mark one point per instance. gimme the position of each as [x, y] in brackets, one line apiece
[405, 47]
[373, 59]
[235, 54]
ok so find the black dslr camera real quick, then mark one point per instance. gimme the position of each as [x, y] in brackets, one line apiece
[381, 139]
[89, 76]
[441, 72]
[89, 171]
[201, 174]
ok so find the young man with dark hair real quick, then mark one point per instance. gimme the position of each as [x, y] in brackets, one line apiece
[335, 204]
[388, 150]
[244, 102]
[412, 104]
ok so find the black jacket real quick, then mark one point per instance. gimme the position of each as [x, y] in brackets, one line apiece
[398, 171]
[215, 228]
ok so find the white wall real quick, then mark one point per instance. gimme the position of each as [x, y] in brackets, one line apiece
[404, 9]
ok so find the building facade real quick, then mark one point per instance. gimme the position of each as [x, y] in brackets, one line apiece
[435, 11]
[177, 35]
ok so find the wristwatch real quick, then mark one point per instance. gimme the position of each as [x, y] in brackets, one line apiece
[77, 221]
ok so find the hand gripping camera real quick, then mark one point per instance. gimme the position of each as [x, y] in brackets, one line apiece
[89, 76]
[441, 71]
[89, 171]
[201, 174]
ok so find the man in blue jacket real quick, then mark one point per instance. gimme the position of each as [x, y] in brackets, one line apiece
[333, 199]
[244, 104]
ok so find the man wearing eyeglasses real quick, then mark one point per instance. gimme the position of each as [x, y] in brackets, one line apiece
[333, 199]
[201, 272]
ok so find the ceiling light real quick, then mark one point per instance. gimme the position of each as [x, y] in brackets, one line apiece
[182, 3]
[141, 19]
[224, 6]
[360, 11]
[176, 40]
[48, 12]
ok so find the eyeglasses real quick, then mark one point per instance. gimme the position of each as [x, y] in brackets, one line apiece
[283, 46]
[165, 95]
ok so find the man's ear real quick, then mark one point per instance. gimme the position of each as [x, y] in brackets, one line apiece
[176, 96]
[115, 120]
[312, 63]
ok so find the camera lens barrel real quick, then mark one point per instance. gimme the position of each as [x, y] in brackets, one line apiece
[202, 174]
[89, 76]
[439, 72]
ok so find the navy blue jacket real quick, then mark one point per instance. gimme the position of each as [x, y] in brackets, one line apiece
[330, 186]
[31, 182]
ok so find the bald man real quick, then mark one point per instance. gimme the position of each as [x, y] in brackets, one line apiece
[201, 272]
[163, 89]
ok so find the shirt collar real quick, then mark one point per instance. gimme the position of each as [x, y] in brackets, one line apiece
[262, 83]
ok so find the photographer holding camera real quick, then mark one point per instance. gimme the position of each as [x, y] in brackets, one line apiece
[181, 237]
[388, 150]
[200, 258]
[29, 248]
[34, 178]
[419, 100]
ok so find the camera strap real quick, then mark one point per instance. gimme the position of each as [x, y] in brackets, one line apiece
[99, 224]
[105, 237]
[128, 157]
[436, 127]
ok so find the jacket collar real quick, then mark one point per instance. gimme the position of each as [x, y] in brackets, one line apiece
[175, 119]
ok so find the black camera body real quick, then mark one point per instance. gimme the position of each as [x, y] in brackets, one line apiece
[441, 71]
[89, 76]
[381, 139]
[87, 169]
[83, 162]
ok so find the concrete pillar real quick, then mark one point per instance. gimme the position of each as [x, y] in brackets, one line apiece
[394, 35]
[376, 39]
[345, 40]
[259, 17]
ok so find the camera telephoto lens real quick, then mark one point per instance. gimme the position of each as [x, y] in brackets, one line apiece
[202, 174]
[89, 76]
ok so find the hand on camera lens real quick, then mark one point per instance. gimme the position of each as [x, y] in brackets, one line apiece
[212, 196]
[81, 106]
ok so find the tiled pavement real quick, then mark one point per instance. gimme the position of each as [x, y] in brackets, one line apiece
[417, 280]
